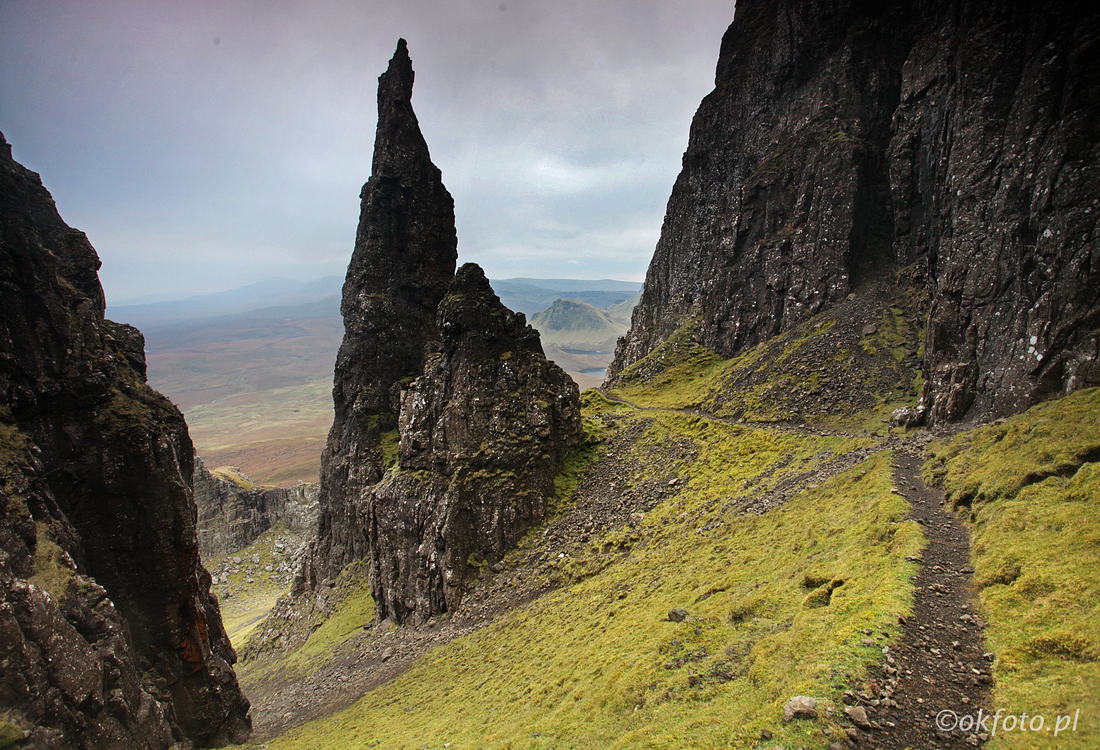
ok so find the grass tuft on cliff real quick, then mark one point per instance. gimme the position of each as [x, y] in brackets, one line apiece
[1031, 489]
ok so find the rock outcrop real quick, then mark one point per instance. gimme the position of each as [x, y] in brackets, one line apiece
[233, 514]
[484, 431]
[109, 635]
[404, 259]
[434, 366]
[953, 144]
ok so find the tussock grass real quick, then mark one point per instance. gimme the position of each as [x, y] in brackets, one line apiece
[776, 604]
[51, 572]
[1032, 485]
[353, 609]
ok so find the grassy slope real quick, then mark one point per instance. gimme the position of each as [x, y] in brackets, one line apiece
[1031, 488]
[825, 371]
[250, 603]
[598, 664]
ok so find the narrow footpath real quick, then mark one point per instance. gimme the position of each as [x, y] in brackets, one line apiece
[934, 687]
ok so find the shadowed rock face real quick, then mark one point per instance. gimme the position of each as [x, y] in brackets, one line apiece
[110, 636]
[484, 419]
[955, 143]
[483, 432]
[404, 260]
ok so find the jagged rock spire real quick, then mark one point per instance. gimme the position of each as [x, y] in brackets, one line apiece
[398, 142]
[404, 259]
[484, 430]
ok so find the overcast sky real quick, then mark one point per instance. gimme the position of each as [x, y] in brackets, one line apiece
[205, 145]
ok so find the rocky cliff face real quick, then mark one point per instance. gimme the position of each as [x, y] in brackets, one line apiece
[110, 635]
[404, 259]
[436, 361]
[231, 516]
[953, 144]
[484, 430]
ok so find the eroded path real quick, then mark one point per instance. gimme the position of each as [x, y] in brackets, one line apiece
[934, 687]
[937, 679]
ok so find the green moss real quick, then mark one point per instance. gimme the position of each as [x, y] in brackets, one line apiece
[565, 481]
[389, 443]
[51, 573]
[1032, 484]
[10, 734]
[13, 443]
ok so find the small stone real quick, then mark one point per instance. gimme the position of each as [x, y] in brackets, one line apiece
[800, 707]
[858, 716]
[677, 615]
[870, 329]
[765, 734]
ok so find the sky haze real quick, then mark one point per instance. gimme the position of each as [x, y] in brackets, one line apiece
[202, 146]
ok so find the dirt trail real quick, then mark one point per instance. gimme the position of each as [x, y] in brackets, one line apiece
[934, 682]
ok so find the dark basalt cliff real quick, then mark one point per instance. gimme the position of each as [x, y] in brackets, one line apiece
[434, 363]
[109, 635]
[404, 259]
[483, 432]
[953, 145]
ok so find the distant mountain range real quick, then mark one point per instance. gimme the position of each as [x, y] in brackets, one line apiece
[295, 299]
[149, 312]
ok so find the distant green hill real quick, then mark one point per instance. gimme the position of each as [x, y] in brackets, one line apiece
[530, 296]
[574, 325]
[621, 311]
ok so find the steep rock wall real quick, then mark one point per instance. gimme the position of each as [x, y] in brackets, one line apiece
[954, 143]
[107, 609]
[404, 259]
[484, 430]
[230, 516]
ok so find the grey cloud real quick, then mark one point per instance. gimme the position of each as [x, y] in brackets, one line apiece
[202, 145]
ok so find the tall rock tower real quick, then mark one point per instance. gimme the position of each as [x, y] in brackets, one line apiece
[404, 259]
